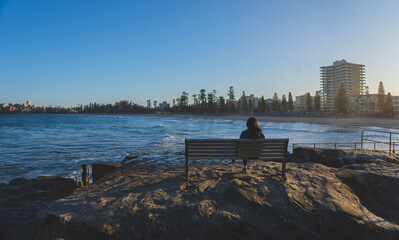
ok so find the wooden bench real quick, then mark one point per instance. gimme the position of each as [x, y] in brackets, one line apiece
[232, 149]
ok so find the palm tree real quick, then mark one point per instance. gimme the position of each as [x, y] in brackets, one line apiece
[202, 99]
[231, 99]
[183, 100]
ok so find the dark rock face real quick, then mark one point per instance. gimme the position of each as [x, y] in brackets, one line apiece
[22, 199]
[99, 169]
[358, 200]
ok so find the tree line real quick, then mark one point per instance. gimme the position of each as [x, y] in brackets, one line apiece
[202, 102]
[209, 102]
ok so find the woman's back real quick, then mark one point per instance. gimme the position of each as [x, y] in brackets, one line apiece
[252, 134]
[253, 131]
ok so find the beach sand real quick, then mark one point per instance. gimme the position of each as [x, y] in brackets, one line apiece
[366, 122]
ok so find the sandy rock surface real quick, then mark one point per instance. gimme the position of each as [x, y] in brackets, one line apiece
[356, 200]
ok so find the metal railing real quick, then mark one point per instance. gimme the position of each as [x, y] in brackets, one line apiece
[391, 144]
[337, 145]
[359, 145]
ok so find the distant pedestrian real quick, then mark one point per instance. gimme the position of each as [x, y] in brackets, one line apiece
[253, 132]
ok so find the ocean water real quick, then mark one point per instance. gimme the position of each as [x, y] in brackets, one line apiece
[35, 145]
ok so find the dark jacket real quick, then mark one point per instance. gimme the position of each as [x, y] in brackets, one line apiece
[255, 134]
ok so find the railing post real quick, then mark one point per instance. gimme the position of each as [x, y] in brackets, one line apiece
[374, 146]
[393, 150]
[283, 162]
[186, 158]
[314, 145]
[390, 143]
[84, 174]
[361, 143]
[335, 145]
[355, 146]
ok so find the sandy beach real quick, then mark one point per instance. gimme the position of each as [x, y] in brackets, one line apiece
[365, 122]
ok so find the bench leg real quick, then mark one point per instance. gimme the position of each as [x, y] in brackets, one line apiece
[283, 168]
[186, 167]
[244, 165]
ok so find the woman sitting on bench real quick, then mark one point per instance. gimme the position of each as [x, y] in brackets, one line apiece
[253, 132]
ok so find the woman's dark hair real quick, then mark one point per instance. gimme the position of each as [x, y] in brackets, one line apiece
[252, 124]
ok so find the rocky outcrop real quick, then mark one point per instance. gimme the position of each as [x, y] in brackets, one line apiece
[356, 199]
[22, 199]
[340, 157]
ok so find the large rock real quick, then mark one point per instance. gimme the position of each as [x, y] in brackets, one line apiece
[22, 199]
[316, 201]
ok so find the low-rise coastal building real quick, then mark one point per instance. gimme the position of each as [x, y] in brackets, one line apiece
[367, 104]
[254, 101]
[301, 104]
[163, 106]
[395, 100]
[363, 104]
[10, 108]
[221, 101]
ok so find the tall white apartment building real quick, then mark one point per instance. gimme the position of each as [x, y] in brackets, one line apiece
[349, 75]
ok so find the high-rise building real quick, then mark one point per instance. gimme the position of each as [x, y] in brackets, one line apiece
[342, 73]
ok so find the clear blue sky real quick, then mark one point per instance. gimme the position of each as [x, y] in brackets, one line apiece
[74, 52]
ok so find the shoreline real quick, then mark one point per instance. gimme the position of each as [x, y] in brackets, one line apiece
[390, 123]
